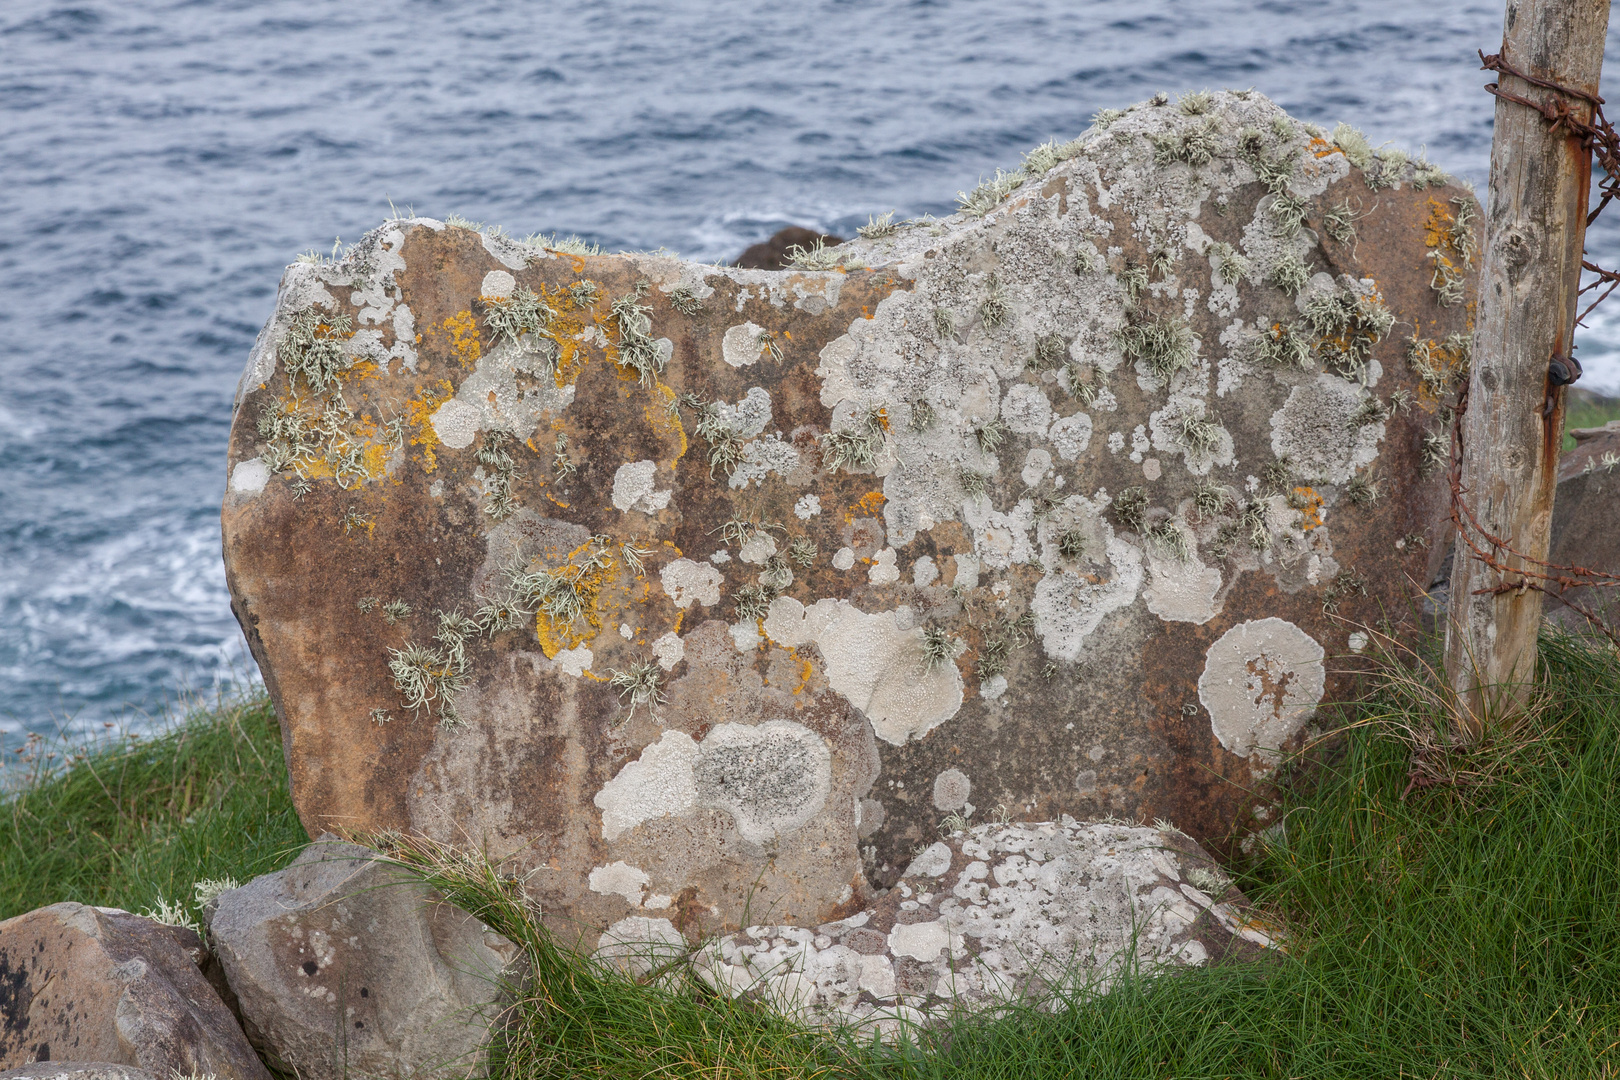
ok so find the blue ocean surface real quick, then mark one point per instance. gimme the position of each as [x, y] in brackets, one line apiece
[161, 162]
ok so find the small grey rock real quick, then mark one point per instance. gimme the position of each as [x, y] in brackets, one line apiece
[343, 946]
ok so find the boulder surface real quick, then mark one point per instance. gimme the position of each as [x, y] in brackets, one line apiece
[111, 990]
[692, 587]
[995, 914]
[1586, 514]
[345, 965]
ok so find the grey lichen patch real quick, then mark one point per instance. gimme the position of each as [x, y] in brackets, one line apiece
[951, 791]
[511, 389]
[991, 915]
[1180, 587]
[686, 582]
[1069, 606]
[1319, 429]
[771, 778]
[743, 345]
[635, 488]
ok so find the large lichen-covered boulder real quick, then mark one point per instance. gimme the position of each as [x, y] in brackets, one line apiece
[694, 589]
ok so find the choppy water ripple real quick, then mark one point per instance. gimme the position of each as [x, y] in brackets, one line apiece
[163, 161]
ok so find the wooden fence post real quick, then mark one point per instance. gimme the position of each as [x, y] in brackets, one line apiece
[1512, 430]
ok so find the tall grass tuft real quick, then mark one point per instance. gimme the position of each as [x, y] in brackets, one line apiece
[136, 823]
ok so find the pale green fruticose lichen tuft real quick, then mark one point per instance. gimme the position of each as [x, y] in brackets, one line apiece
[802, 550]
[522, 312]
[939, 647]
[1161, 345]
[878, 227]
[856, 446]
[639, 685]
[1130, 507]
[637, 349]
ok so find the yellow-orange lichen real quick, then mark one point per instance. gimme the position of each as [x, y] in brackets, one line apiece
[665, 421]
[1320, 147]
[566, 329]
[1437, 226]
[464, 344]
[419, 415]
[1309, 504]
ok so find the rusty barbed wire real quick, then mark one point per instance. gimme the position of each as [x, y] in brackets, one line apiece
[1597, 137]
[1600, 140]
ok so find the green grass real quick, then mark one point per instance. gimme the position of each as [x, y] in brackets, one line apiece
[136, 822]
[1585, 410]
[1466, 925]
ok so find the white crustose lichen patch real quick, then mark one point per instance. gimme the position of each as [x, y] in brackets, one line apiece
[1261, 683]
[991, 915]
[634, 488]
[877, 666]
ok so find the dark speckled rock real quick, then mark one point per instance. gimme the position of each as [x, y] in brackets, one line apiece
[97, 985]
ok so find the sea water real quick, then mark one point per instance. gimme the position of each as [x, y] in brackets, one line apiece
[161, 162]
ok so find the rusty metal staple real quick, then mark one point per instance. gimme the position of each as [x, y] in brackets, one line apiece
[1597, 137]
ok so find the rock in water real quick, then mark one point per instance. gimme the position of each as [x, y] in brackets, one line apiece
[117, 994]
[1000, 913]
[345, 965]
[776, 251]
[698, 589]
